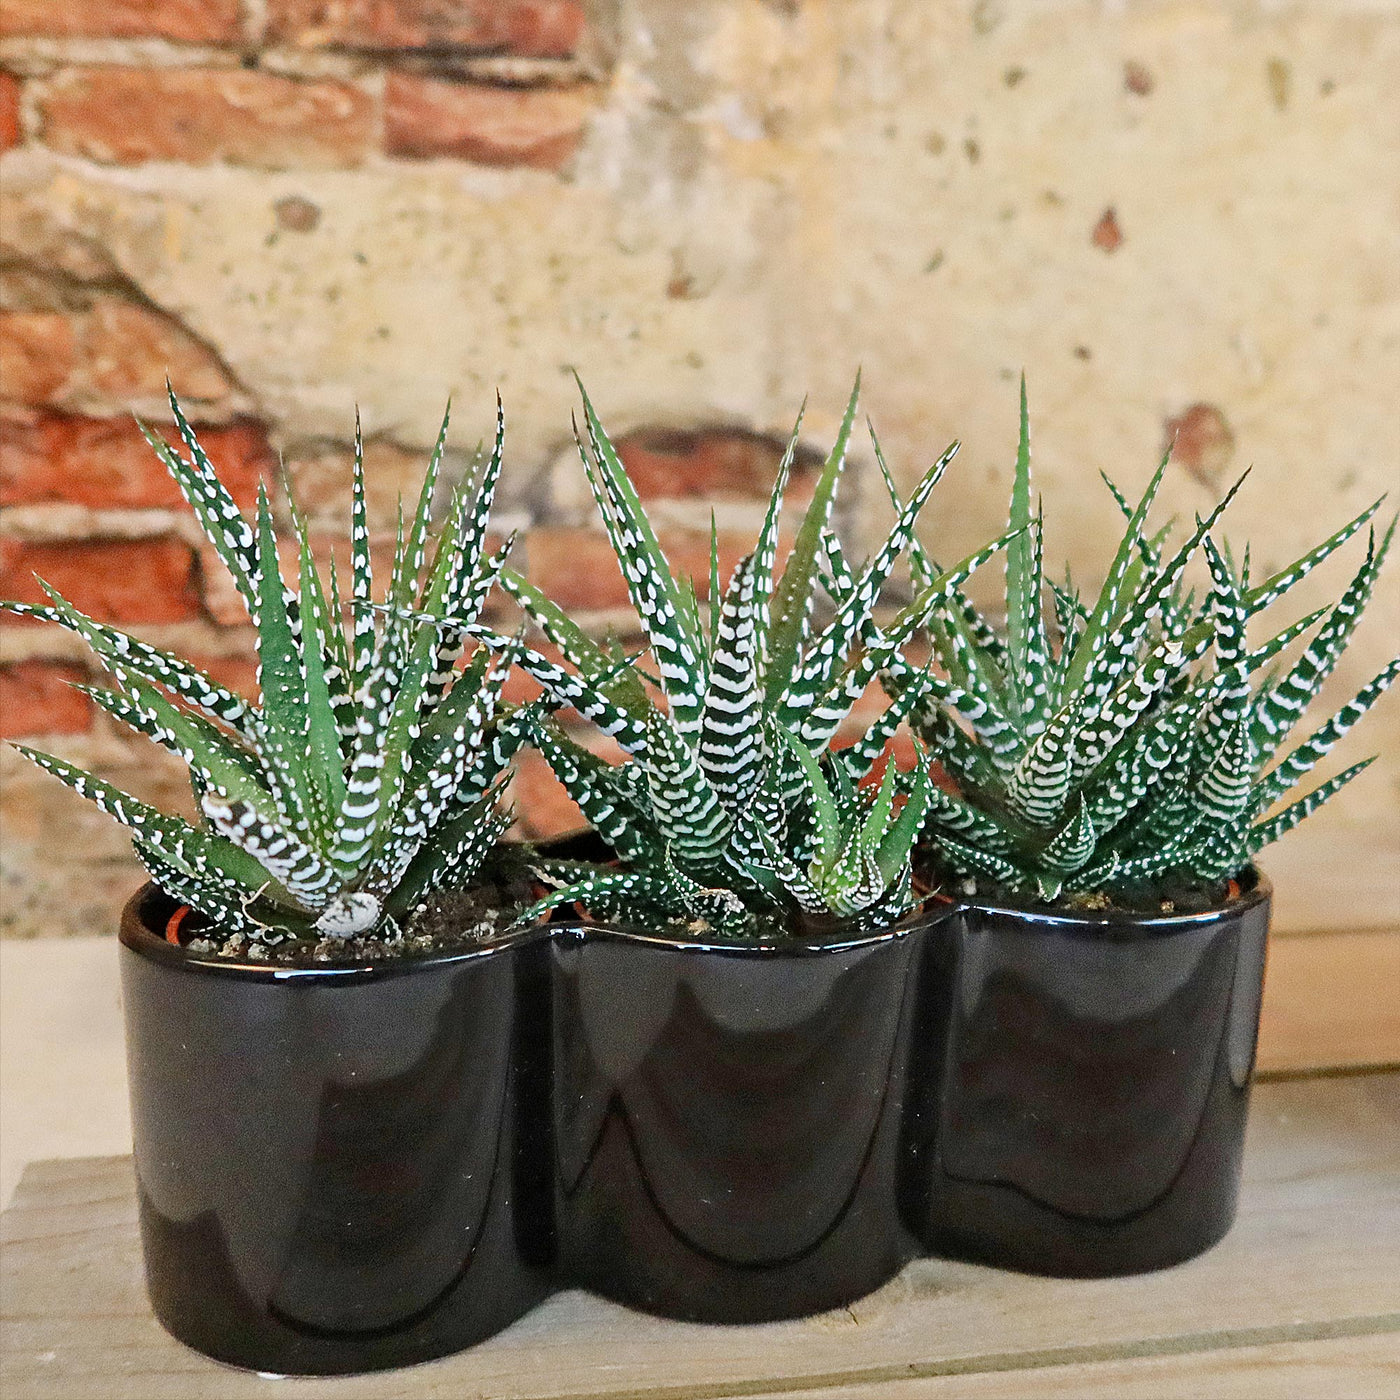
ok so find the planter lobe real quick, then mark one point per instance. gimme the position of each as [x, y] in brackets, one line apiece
[1082, 1086]
[727, 1120]
[336, 1165]
[348, 1167]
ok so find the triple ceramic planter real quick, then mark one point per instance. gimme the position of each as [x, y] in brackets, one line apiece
[343, 1168]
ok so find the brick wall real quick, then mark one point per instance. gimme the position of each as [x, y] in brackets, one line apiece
[1173, 215]
[296, 83]
[85, 505]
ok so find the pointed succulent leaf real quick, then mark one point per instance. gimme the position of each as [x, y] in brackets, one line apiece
[216, 510]
[361, 570]
[966, 859]
[1280, 707]
[1105, 610]
[1137, 764]
[949, 814]
[1276, 585]
[893, 854]
[328, 706]
[595, 786]
[172, 836]
[824, 810]
[133, 656]
[219, 901]
[731, 746]
[828, 653]
[882, 646]
[650, 584]
[416, 544]
[1301, 761]
[1146, 605]
[924, 568]
[1027, 645]
[688, 812]
[791, 610]
[309, 880]
[1224, 788]
[1072, 845]
[859, 757]
[1269, 830]
[139, 717]
[791, 875]
[1231, 645]
[282, 678]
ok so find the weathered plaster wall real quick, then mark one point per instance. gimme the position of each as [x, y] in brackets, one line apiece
[1174, 215]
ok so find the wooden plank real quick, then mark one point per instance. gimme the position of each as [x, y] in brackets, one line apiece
[1357, 1368]
[1311, 1258]
[1340, 871]
[1331, 1001]
[63, 1090]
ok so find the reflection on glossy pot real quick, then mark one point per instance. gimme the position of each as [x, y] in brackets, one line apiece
[330, 1162]
[1086, 1112]
[346, 1168]
[727, 1121]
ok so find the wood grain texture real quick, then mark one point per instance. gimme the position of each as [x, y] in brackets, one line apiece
[1306, 1280]
[1343, 1368]
[1331, 1001]
[1340, 872]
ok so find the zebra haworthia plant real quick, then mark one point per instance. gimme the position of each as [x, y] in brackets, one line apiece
[734, 811]
[1104, 757]
[368, 775]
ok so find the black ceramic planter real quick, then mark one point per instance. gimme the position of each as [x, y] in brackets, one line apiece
[727, 1120]
[1081, 1085]
[339, 1168]
[348, 1167]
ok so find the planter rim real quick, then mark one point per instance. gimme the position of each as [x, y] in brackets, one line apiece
[840, 940]
[933, 909]
[137, 935]
[1123, 922]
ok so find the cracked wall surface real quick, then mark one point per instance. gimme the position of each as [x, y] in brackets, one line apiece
[1180, 218]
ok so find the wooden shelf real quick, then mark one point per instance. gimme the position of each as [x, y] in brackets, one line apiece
[1302, 1299]
[1331, 1002]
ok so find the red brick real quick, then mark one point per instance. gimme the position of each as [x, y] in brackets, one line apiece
[236, 673]
[222, 600]
[542, 806]
[36, 355]
[112, 580]
[37, 697]
[9, 109]
[321, 475]
[193, 21]
[520, 687]
[720, 463]
[129, 350]
[529, 28]
[537, 127]
[124, 116]
[106, 463]
[577, 568]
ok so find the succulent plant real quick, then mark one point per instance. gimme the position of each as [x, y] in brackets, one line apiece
[732, 808]
[368, 774]
[1104, 756]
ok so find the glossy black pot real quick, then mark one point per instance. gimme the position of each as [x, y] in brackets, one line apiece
[339, 1167]
[1080, 1085]
[727, 1119]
